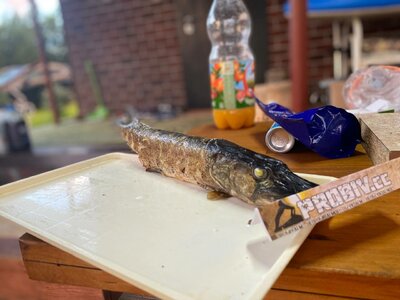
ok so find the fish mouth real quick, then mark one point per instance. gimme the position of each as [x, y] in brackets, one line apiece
[284, 184]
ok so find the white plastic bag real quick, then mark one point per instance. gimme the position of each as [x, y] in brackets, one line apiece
[368, 87]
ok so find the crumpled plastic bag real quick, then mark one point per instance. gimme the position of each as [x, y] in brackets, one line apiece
[373, 89]
[330, 131]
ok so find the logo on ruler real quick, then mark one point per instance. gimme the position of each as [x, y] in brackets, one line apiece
[344, 196]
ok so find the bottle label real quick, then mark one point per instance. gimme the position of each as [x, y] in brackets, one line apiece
[232, 84]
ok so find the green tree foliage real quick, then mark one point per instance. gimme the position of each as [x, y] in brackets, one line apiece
[17, 42]
[53, 31]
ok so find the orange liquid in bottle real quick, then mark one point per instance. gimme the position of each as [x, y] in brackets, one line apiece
[231, 63]
[234, 118]
[232, 84]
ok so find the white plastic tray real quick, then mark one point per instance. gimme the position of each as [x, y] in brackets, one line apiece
[154, 232]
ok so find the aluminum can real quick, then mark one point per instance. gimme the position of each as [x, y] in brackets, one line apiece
[278, 139]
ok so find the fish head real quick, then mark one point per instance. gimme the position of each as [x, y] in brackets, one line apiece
[253, 177]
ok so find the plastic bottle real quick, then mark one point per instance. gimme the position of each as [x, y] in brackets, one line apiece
[231, 64]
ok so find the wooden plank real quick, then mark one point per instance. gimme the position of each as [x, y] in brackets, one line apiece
[34, 249]
[338, 285]
[298, 277]
[15, 284]
[276, 294]
[47, 263]
[381, 136]
[65, 292]
[74, 275]
[363, 241]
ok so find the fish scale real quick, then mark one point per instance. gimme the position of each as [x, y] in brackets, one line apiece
[214, 164]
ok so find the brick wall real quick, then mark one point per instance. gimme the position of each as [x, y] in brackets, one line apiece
[134, 48]
[320, 40]
[320, 44]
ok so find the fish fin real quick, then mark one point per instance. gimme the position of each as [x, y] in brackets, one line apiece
[132, 123]
[215, 195]
[129, 122]
[154, 170]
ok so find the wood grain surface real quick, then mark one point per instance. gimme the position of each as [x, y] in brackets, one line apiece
[50, 264]
[362, 242]
[352, 255]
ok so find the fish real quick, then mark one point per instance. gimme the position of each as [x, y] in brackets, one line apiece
[217, 165]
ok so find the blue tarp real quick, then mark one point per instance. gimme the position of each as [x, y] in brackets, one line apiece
[316, 6]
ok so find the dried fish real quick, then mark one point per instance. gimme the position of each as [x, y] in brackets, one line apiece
[215, 164]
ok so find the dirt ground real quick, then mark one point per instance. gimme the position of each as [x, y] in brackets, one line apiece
[106, 132]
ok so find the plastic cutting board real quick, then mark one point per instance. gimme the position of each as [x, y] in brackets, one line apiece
[157, 233]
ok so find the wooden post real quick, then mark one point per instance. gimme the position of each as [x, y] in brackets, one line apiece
[298, 40]
[43, 60]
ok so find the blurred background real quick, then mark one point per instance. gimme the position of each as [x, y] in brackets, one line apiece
[108, 57]
[70, 68]
[113, 56]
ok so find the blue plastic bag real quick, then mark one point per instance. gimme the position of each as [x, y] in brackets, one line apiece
[330, 131]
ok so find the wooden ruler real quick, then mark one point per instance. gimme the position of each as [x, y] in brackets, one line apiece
[322, 202]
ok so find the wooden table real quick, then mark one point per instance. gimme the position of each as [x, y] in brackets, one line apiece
[353, 255]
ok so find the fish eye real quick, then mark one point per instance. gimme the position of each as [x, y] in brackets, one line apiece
[260, 173]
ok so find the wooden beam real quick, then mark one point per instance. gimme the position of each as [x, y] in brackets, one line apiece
[43, 60]
[298, 40]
